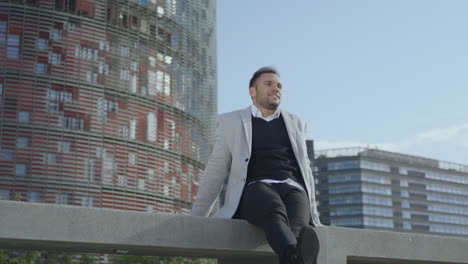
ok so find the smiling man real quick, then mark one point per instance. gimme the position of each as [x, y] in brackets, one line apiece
[262, 152]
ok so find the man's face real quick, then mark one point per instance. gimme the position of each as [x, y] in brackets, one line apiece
[267, 91]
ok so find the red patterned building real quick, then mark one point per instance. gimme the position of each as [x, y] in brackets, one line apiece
[106, 104]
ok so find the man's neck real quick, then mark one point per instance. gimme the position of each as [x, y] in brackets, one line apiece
[265, 112]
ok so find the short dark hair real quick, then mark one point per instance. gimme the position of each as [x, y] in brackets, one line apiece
[261, 71]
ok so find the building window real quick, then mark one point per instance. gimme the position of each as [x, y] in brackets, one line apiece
[133, 125]
[56, 34]
[41, 68]
[167, 143]
[141, 184]
[108, 168]
[73, 123]
[149, 209]
[101, 152]
[86, 53]
[343, 165]
[3, 31]
[42, 44]
[34, 197]
[6, 154]
[124, 132]
[91, 77]
[346, 221]
[152, 61]
[124, 51]
[349, 188]
[378, 222]
[160, 11]
[151, 129]
[53, 106]
[405, 193]
[87, 201]
[379, 211]
[4, 194]
[21, 169]
[51, 158]
[164, 58]
[122, 181]
[23, 117]
[89, 169]
[163, 82]
[407, 225]
[377, 200]
[61, 96]
[351, 199]
[152, 83]
[151, 174]
[106, 107]
[55, 58]
[132, 158]
[133, 83]
[124, 74]
[171, 126]
[63, 147]
[13, 46]
[61, 198]
[70, 27]
[22, 142]
[346, 177]
[134, 66]
[103, 68]
[166, 167]
[104, 45]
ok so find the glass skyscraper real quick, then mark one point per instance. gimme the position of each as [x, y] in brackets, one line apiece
[106, 104]
[375, 189]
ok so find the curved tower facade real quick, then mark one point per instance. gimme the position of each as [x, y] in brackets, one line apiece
[106, 103]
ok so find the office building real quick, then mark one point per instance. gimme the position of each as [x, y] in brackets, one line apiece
[375, 189]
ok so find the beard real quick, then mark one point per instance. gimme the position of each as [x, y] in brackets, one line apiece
[268, 104]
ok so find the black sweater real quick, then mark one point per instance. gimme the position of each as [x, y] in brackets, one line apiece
[272, 154]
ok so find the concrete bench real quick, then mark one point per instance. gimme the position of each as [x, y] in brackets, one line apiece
[50, 227]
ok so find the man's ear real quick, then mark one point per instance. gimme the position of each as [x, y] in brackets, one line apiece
[252, 91]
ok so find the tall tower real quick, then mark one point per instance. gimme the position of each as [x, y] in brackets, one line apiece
[106, 103]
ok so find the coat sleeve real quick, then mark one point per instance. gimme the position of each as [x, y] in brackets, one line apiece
[216, 170]
[315, 214]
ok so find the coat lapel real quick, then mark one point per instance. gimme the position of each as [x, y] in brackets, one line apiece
[246, 115]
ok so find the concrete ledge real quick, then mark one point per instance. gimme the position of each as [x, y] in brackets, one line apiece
[70, 228]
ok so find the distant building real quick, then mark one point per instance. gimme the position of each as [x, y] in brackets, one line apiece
[375, 189]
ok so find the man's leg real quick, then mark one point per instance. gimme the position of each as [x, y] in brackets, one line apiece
[262, 206]
[297, 206]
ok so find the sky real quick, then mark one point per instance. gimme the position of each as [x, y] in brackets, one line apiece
[386, 74]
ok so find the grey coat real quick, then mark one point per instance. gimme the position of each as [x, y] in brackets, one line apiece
[230, 158]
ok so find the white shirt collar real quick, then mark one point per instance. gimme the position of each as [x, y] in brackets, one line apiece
[257, 113]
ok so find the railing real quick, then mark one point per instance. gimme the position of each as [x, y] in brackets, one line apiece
[49, 227]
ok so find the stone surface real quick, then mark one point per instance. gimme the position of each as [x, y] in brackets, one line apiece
[77, 229]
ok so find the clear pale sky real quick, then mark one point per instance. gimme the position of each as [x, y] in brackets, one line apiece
[391, 74]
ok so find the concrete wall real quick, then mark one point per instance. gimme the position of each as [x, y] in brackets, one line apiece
[69, 228]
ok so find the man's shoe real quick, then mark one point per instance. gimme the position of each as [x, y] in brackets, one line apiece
[307, 246]
[289, 256]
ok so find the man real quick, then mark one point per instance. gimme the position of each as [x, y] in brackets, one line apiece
[262, 152]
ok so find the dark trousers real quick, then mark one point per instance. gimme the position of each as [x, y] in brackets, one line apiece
[279, 209]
